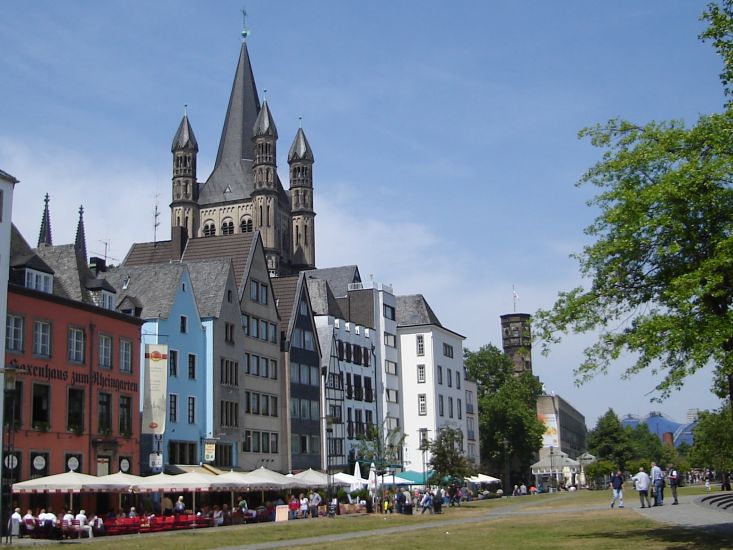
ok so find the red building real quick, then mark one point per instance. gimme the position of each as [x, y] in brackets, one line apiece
[76, 400]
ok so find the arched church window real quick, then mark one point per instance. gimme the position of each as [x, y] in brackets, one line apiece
[227, 227]
[246, 225]
[209, 229]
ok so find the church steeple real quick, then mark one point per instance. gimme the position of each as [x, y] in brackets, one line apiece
[185, 189]
[44, 236]
[80, 243]
[300, 159]
[264, 196]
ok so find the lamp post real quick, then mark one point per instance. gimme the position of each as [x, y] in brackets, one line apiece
[552, 468]
[424, 448]
[507, 481]
[10, 462]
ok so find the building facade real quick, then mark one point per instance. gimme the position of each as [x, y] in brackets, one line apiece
[244, 193]
[565, 428]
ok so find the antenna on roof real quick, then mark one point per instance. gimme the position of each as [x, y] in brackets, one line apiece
[245, 30]
[156, 222]
[106, 246]
[515, 297]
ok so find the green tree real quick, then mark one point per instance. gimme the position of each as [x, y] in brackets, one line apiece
[660, 269]
[446, 457]
[609, 441]
[381, 445]
[713, 441]
[645, 446]
[507, 409]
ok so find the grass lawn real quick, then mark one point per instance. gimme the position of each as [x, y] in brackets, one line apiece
[561, 520]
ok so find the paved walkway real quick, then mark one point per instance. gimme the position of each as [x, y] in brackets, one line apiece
[687, 514]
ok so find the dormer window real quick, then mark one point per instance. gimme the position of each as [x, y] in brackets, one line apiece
[38, 280]
[108, 300]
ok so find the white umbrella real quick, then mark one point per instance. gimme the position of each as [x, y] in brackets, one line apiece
[352, 482]
[68, 482]
[119, 482]
[372, 480]
[311, 478]
[357, 485]
[265, 479]
[230, 481]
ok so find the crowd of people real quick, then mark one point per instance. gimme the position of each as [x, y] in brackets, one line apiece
[650, 486]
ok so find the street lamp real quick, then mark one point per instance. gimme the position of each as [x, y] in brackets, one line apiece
[552, 467]
[507, 481]
[424, 448]
[10, 462]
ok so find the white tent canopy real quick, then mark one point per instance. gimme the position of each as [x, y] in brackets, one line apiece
[354, 483]
[310, 478]
[119, 482]
[483, 478]
[265, 479]
[59, 483]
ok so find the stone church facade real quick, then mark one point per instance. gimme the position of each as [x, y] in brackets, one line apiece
[243, 193]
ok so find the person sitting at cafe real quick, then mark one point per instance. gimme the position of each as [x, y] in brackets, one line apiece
[180, 506]
[97, 525]
[29, 523]
[84, 526]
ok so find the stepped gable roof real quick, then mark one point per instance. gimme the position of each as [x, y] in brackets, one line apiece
[338, 278]
[300, 149]
[209, 280]
[184, 138]
[321, 297]
[153, 286]
[149, 253]
[414, 310]
[222, 247]
[286, 290]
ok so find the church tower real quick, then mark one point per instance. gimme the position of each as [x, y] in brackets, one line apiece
[300, 159]
[265, 194]
[516, 339]
[184, 207]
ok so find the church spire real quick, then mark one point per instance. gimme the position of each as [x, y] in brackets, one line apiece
[265, 125]
[80, 244]
[44, 237]
[184, 138]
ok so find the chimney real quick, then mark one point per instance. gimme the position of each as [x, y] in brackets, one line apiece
[97, 265]
[179, 238]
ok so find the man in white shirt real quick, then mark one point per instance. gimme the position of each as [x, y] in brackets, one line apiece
[641, 482]
[657, 481]
[84, 526]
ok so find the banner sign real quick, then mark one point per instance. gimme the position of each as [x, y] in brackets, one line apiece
[550, 437]
[209, 451]
[155, 387]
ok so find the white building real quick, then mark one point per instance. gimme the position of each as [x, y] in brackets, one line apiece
[433, 381]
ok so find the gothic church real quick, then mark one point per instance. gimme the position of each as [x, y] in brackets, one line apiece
[243, 192]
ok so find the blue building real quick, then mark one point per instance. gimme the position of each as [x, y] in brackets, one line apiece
[664, 427]
[162, 295]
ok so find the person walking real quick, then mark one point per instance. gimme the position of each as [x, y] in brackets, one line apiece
[427, 502]
[674, 479]
[657, 481]
[315, 502]
[641, 482]
[617, 488]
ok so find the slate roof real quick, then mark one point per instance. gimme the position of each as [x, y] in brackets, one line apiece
[209, 280]
[338, 278]
[300, 149]
[236, 248]
[265, 125]
[7, 177]
[232, 177]
[149, 253]
[321, 297]
[184, 138]
[152, 286]
[70, 271]
[414, 310]
[325, 340]
[285, 290]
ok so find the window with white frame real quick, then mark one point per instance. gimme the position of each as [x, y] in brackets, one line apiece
[42, 338]
[125, 355]
[389, 312]
[14, 333]
[76, 345]
[422, 404]
[107, 299]
[421, 374]
[390, 367]
[105, 351]
[389, 340]
[420, 340]
[392, 396]
[38, 280]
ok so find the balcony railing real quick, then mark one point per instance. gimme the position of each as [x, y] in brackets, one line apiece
[358, 393]
[368, 395]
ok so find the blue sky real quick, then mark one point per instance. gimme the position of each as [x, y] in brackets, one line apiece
[444, 134]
